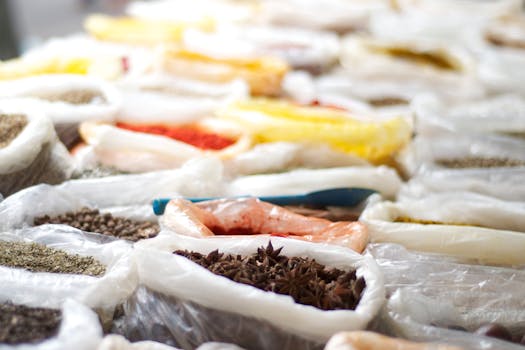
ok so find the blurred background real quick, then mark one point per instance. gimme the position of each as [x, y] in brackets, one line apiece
[26, 23]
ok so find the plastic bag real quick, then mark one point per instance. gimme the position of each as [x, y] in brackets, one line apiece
[117, 342]
[362, 136]
[423, 304]
[503, 183]
[250, 216]
[34, 155]
[382, 179]
[475, 244]
[79, 328]
[361, 340]
[180, 300]
[439, 152]
[103, 293]
[503, 114]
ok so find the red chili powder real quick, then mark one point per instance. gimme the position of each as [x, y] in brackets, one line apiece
[187, 133]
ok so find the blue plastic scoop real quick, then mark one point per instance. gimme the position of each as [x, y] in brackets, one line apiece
[339, 197]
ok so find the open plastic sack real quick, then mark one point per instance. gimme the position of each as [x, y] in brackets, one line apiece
[117, 342]
[177, 304]
[423, 303]
[475, 244]
[79, 328]
[504, 114]
[362, 136]
[362, 340]
[127, 148]
[103, 293]
[382, 179]
[250, 216]
[66, 99]
[30, 151]
[503, 183]
[461, 152]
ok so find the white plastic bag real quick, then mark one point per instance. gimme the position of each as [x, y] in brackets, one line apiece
[35, 155]
[117, 342]
[79, 328]
[185, 280]
[423, 303]
[382, 179]
[103, 293]
[475, 244]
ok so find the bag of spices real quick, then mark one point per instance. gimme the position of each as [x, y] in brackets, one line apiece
[382, 179]
[451, 225]
[29, 150]
[478, 311]
[460, 152]
[146, 147]
[250, 306]
[502, 183]
[250, 216]
[57, 263]
[67, 99]
[117, 342]
[29, 326]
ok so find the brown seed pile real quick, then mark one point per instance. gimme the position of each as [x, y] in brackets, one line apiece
[305, 280]
[39, 258]
[75, 97]
[92, 220]
[479, 162]
[11, 125]
[23, 324]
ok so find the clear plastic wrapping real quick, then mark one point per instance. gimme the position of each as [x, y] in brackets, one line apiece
[429, 293]
[177, 284]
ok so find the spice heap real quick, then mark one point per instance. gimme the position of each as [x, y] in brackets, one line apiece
[408, 220]
[11, 125]
[92, 220]
[479, 162]
[23, 324]
[187, 133]
[387, 101]
[74, 97]
[39, 258]
[305, 280]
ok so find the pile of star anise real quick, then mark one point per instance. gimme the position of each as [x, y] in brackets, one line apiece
[305, 280]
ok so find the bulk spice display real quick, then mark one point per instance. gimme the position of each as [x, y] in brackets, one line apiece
[274, 99]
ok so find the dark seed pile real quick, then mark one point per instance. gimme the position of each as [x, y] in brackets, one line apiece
[75, 97]
[305, 280]
[92, 220]
[23, 324]
[39, 258]
[11, 125]
[479, 162]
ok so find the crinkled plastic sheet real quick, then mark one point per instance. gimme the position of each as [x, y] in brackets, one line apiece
[421, 155]
[155, 316]
[429, 292]
[103, 293]
[177, 277]
[483, 245]
[503, 183]
[79, 329]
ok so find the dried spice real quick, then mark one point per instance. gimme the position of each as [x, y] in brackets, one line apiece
[305, 280]
[494, 330]
[479, 162]
[91, 220]
[432, 59]
[39, 258]
[409, 220]
[22, 324]
[497, 40]
[186, 133]
[387, 101]
[74, 97]
[11, 125]
[99, 171]
[333, 214]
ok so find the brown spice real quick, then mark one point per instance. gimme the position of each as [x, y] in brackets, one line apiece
[91, 220]
[39, 258]
[406, 219]
[387, 101]
[22, 324]
[305, 280]
[436, 59]
[497, 40]
[75, 97]
[11, 125]
[479, 162]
